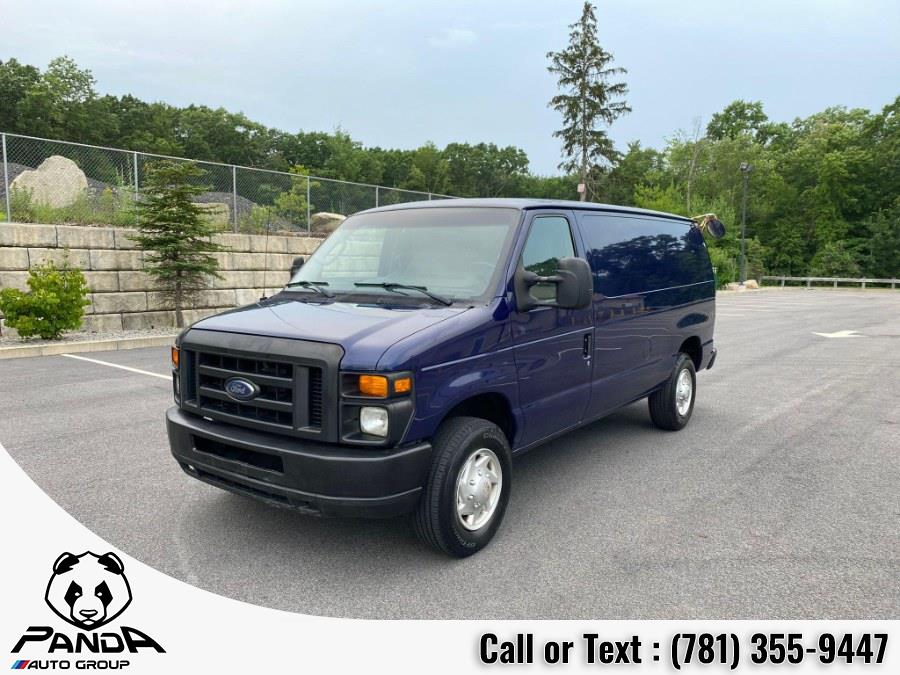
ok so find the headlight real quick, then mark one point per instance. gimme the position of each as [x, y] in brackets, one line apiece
[374, 421]
[375, 408]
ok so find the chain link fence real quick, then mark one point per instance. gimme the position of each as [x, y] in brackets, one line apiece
[56, 182]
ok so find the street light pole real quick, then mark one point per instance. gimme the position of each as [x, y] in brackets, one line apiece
[745, 169]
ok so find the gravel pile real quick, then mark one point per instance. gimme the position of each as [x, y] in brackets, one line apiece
[244, 205]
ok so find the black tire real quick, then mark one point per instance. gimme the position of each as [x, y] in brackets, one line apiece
[663, 405]
[436, 520]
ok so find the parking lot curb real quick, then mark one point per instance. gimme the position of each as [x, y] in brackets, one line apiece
[115, 344]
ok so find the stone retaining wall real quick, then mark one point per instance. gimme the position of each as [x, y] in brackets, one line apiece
[123, 296]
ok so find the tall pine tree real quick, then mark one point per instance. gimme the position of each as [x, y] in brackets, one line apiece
[587, 98]
[176, 234]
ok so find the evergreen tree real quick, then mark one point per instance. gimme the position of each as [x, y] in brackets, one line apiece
[587, 98]
[175, 233]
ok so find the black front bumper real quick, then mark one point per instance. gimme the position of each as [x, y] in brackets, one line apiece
[320, 478]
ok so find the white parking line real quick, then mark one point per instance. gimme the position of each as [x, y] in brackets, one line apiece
[116, 365]
[841, 334]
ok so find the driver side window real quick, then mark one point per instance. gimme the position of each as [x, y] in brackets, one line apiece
[549, 240]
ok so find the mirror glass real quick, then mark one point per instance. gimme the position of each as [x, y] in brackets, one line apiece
[716, 228]
[549, 241]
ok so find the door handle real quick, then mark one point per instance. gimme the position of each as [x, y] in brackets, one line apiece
[586, 346]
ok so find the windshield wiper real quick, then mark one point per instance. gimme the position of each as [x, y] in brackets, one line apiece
[314, 285]
[399, 288]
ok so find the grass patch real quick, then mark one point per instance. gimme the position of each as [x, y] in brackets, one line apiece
[108, 207]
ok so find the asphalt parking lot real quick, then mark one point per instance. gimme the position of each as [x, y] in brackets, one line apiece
[780, 499]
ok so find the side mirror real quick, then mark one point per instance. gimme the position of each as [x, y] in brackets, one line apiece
[709, 224]
[297, 264]
[574, 286]
[716, 228]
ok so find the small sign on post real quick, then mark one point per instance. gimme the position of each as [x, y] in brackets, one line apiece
[581, 188]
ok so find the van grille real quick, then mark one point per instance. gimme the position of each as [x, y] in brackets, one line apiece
[290, 395]
[316, 397]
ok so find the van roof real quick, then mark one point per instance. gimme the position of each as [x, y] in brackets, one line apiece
[524, 204]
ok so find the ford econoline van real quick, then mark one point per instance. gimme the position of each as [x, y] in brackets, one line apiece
[424, 345]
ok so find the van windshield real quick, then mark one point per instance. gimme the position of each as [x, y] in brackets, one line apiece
[454, 252]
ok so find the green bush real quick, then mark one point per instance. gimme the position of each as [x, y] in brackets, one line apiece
[725, 255]
[54, 304]
[726, 267]
[834, 260]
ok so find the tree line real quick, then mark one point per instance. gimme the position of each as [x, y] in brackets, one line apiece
[824, 191]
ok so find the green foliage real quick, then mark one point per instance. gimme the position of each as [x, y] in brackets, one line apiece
[54, 303]
[110, 207]
[659, 198]
[175, 234]
[256, 221]
[428, 170]
[739, 118]
[484, 169]
[588, 100]
[292, 204]
[726, 259]
[15, 80]
[21, 206]
[726, 266]
[884, 243]
[834, 260]
[638, 167]
[62, 101]
[822, 194]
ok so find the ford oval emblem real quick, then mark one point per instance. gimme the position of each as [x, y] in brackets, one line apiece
[240, 389]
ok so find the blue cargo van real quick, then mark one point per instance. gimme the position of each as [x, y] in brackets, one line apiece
[424, 345]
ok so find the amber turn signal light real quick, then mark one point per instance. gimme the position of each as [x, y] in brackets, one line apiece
[176, 354]
[373, 385]
[403, 385]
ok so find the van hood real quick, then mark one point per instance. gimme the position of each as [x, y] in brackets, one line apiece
[364, 331]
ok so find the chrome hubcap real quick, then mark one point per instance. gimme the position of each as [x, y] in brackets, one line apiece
[684, 392]
[478, 489]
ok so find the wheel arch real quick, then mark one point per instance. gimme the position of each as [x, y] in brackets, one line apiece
[694, 349]
[491, 406]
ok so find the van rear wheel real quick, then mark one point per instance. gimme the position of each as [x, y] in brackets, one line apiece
[468, 487]
[672, 405]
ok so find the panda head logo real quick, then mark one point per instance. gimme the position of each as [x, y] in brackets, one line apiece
[88, 590]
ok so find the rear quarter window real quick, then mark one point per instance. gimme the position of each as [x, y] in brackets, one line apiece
[633, 254]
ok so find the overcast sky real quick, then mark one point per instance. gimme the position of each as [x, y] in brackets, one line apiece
[397, 74]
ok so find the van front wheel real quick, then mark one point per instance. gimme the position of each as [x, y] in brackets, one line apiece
[468, 487]
[671, 406]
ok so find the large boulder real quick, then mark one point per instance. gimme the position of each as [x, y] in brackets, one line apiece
[749, 285]
[217, 213]
[57, 182]
[325, 221]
